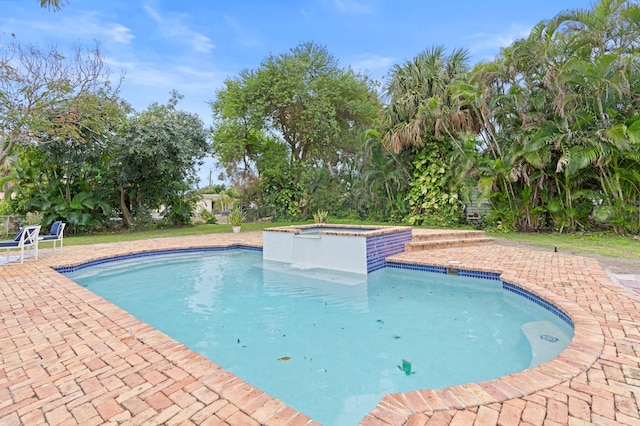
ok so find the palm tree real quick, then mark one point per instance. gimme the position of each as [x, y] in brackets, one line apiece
[53, 4]
[610, 26]
[599, 99]
[425, 114]
[419, 104]
[546, 103]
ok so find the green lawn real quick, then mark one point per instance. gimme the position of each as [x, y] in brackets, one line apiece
[603, 244]
[70, 240]
[178, 232]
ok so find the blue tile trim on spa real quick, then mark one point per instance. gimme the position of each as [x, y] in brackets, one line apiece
[380, 247]
[68, 269]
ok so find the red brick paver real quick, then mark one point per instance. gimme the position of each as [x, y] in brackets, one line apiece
[69, 357]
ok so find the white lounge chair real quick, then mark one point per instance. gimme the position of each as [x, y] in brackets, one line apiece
[26, 238]
[55, 234]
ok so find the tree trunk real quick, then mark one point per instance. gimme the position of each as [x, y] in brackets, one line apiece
[124, 207]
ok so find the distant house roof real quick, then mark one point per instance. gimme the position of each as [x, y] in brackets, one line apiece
[214, 197]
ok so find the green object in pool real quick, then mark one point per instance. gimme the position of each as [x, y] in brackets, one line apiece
[406, 367]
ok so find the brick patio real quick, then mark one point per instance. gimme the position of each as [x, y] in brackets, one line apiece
[69, 357]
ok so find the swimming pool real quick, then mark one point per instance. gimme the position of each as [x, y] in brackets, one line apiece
[218, 296]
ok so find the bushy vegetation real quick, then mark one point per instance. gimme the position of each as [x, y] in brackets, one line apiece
[547, 134]
[72, 150]
[290, 133]
[549, 131]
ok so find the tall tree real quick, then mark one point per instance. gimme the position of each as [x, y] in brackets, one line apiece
[301, 99]
[153, 162]
[562, 104]
[64, 176]
[419, 101]
[36, 86]
[424, 114]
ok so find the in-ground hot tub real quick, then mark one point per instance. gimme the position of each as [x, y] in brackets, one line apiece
[349, 248]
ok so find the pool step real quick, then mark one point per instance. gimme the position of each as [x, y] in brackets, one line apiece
[546, 341]
[431, 239]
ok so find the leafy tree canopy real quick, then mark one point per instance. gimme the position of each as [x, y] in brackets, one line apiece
[301, 110]
[154, 160]
[45, 93]
[303, 98]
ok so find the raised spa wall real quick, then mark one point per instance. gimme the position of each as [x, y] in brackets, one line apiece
[349, 248]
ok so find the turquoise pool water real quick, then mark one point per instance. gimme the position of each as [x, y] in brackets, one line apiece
[329, 344]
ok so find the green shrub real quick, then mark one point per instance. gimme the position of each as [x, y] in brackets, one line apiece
[320, 216]
[237, 216]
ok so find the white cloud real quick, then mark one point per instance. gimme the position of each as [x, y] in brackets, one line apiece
[140, 74]
[374, 65]
[487, 45]
[173, 27]
[153, 13]
[353, 7]
[372, 62]
[243, 36]
[190, 72]
[146, 83]
[118, 33]
[86, 25]
[201, 43]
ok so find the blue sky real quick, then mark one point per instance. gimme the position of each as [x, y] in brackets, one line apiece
[193, 46]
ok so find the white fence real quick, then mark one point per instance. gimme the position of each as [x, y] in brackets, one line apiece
[9, 225]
